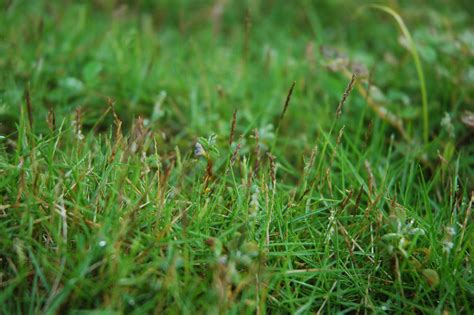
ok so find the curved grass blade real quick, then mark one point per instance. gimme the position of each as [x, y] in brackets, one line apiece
[416, 59]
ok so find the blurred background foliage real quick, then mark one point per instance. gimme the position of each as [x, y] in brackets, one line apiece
[185, 65]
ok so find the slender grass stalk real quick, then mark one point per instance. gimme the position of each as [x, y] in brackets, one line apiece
[419, 69]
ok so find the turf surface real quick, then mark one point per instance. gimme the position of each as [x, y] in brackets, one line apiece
[236, 157]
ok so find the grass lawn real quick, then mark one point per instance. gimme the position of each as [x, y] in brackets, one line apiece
[236, 157]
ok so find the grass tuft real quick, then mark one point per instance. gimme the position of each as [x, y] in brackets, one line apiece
[147, 164]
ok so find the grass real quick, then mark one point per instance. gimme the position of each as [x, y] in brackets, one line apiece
[217, 157]
[416, 59]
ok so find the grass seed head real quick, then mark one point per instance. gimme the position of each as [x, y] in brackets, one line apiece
[232, 127]
[346, 95]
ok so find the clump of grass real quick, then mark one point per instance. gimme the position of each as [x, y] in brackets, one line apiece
[140, 225]
[185, 205]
